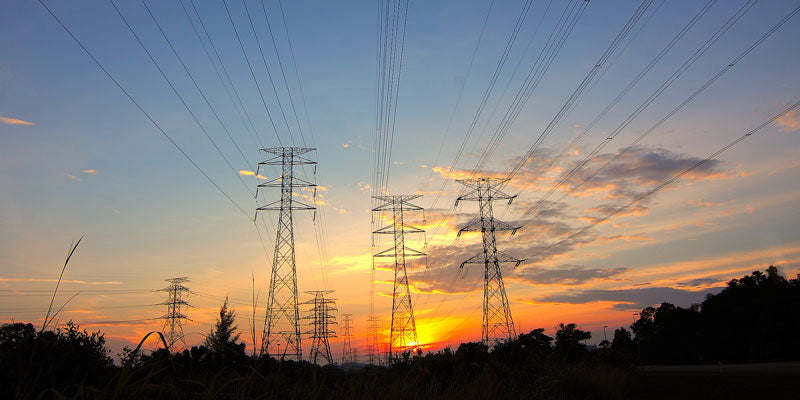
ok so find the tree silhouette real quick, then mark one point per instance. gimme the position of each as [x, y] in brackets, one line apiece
[568, 341]
[221, 341]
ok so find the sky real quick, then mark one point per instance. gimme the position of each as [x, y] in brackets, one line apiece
[79, 158]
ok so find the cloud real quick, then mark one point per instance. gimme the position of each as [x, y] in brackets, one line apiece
[632, 299]
[698, 282]
[90, 171]
[566, 275]
[706, 204]
[14, 121]
[73, 177]
[364, 187]
[635, 171]
[345, 145]
[784, 168]
[790, 121]
[244, 172]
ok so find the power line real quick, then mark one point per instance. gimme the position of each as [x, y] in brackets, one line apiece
[160, 129]
[660, 90]
[672, 179]
[177, 94]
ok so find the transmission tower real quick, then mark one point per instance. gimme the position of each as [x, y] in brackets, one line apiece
[497, 321]
[282, 325]
[373, 338]
[403, 334]
[173, 319]
[348, 355]
[322, 317]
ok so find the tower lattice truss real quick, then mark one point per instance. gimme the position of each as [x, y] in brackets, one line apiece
[373, 340]
[322, 317]
[348, 354]
[497, 321]
[282, 326]
[403, 334]
[174, 317]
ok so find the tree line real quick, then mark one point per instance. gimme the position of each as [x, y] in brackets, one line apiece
[753, 319]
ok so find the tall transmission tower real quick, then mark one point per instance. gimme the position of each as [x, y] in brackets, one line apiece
[348, 355]
[174, 317]
[403, 334]
[373, 340]
[322, 317]
[282, 326]
[497, 321]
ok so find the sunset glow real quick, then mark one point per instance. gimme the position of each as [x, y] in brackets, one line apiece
[621, 198]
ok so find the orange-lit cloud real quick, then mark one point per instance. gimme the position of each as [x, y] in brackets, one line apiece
[790, 121]
[14, 121]
[245, 172]
[73, 177]
[90, 171]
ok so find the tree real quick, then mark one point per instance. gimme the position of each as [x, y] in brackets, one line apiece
[753, 319]
[221, 340]
[622, 341]
[568, 341]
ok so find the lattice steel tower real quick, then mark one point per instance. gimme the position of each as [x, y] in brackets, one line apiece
[374, 342]
[173, 319]
[322, 317]
[497, 321]
[348, 355]
[403, 336]
[282, 326]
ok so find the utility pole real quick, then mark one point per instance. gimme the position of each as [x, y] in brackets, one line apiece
[497, 321]
[374, 343]
[282, 326]
[403, 334]
[173, 319]
[348, 355]
[322, 316]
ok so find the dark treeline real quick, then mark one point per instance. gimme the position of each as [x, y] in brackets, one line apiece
[753, 319]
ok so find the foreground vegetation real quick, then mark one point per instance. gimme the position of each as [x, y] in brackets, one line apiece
[754, 319]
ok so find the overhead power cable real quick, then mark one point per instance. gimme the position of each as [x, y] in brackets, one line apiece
[672, 179]
[125, 92]
[178, 95]
[677, 108]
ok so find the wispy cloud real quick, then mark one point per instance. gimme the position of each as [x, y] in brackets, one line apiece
[73, 177]
[14, 121]
[244, 172]
[90, 171]
[631, 299]
[790, 121]
[566, 275]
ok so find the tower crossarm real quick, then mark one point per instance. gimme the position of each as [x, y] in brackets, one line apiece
[480, 258]
[475, 225]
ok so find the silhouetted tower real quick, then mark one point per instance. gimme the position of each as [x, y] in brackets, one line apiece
[348, 355]
[403, 334]
[373, 340]
[173, 319]
[282, 326]
[497, 321]
[322, 317]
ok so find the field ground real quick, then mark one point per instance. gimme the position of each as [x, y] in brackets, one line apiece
[734, 381]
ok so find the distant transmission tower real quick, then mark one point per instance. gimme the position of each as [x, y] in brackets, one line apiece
[497, 321]
[322, 317]
[348, 355]
[282, 326]
[173, 319]
[403, 336]
[373, 340]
